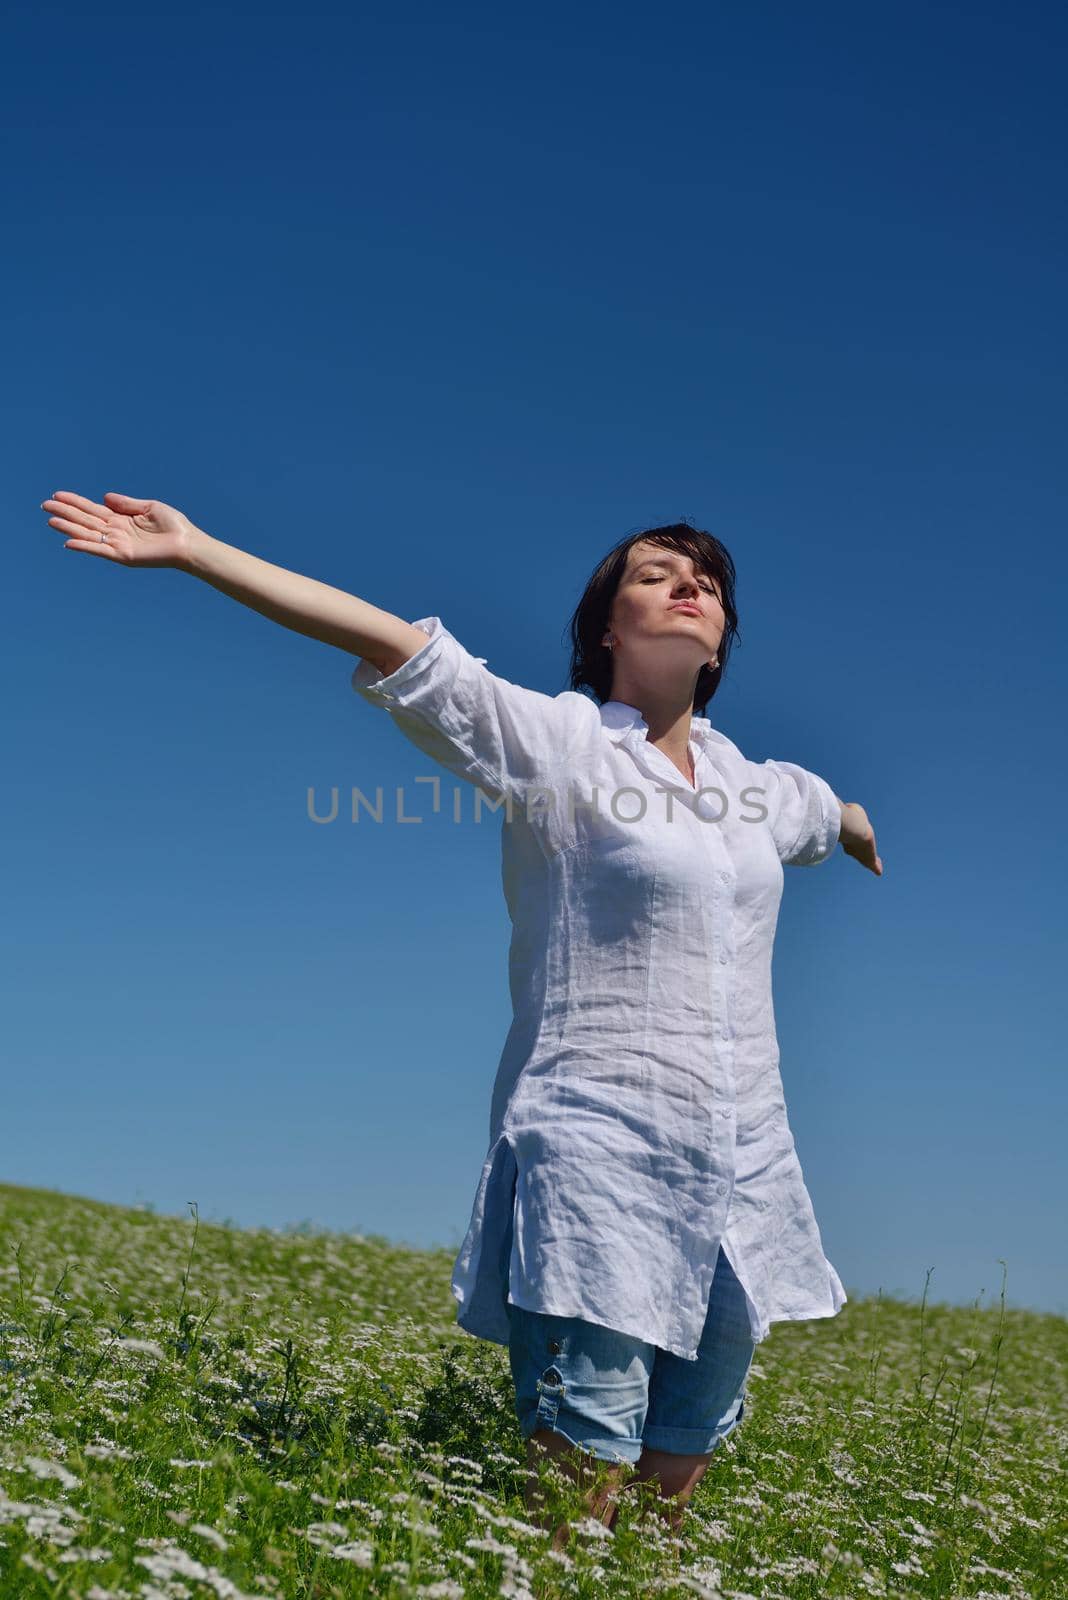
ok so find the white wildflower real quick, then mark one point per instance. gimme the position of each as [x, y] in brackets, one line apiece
[165, 1563]
[513, 1588]
[706, 1589]
[46, 1522]
[170, 1561]
[80, 1553]
[361, 1555]
[211, 1534]
[42, 1468]
[321, 1533]
[148, 1346]
[707, 1573]
[428, 1529]
[489, 1544]
[592, 1529]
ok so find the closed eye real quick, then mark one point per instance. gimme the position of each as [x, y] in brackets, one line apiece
[708, 587]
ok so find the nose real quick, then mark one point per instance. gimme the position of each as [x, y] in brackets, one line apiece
[686, 586]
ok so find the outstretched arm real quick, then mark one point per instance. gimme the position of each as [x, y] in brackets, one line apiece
[149, 533]
[495, 734]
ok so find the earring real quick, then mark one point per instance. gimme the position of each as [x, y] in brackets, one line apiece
[607, 640]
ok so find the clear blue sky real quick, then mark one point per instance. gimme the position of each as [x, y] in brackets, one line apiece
[435, 308]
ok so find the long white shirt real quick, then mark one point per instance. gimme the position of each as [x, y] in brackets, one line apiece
[637, 1119]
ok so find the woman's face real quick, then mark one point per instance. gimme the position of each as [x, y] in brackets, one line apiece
[646, 607]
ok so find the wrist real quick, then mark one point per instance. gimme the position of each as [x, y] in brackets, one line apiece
[849, 808]
[194, 554]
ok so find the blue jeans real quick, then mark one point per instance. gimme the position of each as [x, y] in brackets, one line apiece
[610, 1393]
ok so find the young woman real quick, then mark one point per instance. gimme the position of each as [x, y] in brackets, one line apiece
[641, 1217]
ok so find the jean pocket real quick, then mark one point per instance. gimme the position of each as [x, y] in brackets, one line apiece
[550, 1395]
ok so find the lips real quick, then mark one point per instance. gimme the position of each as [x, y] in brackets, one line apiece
[685, 605]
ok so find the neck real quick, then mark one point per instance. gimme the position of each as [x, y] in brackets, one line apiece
[668, 716]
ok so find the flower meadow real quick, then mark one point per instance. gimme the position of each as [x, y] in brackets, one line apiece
[195, 1410]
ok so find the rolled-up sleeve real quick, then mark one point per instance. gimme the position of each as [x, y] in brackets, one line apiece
[805, 814]
[493, 733]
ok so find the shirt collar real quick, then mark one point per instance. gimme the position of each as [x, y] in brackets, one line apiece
[622, 721]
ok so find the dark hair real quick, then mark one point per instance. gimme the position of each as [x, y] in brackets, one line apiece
[591, 661]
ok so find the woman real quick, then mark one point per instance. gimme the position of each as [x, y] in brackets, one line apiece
[641, 1217]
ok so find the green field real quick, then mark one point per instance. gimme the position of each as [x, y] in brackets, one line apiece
[191, 1409]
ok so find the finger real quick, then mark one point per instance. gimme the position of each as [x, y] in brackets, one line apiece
[93, 548]
[126, 502]
[79, 529]
[75, 521]
[80, 502]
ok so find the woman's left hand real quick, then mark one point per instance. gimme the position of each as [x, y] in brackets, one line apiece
[857, 837]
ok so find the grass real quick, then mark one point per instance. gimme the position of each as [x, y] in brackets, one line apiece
[191, 1409]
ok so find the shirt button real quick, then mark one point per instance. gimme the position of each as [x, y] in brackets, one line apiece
[722, 957]
[721, 1188]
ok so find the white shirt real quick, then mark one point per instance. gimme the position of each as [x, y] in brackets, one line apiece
[637, 1119]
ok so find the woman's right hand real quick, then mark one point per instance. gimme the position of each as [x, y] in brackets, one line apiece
[137, 533]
